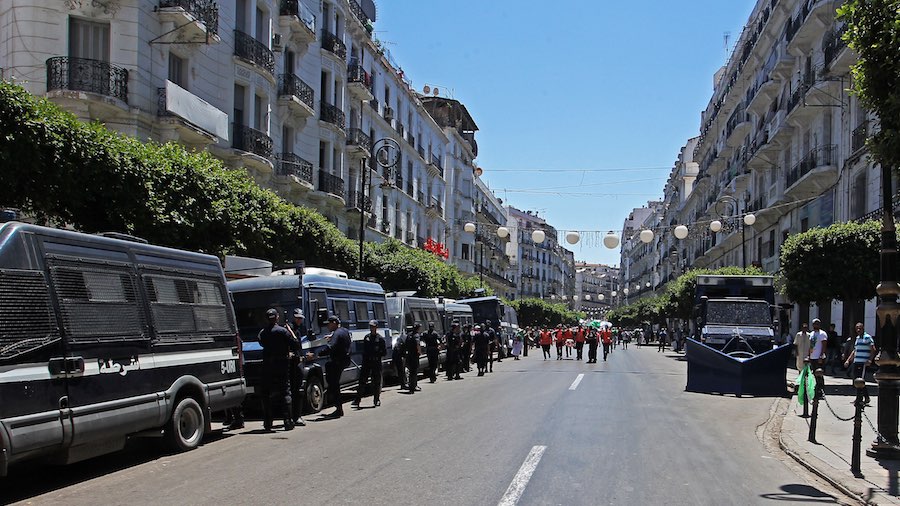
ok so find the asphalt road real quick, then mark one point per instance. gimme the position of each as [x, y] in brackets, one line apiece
[625, 433]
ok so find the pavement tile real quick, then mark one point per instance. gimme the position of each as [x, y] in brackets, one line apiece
[830, 457]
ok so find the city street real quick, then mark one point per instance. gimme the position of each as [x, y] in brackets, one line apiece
[619, 432]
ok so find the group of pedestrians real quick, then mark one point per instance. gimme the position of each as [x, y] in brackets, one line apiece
[820, 348]
[567, 338]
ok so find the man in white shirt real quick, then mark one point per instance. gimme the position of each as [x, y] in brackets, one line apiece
[818, 340]
[801, 343]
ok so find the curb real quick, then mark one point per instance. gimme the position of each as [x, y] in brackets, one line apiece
[810, 463]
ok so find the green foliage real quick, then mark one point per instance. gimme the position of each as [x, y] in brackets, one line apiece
[837, 262]
[873, 31]
[540, 313]
[67, 172]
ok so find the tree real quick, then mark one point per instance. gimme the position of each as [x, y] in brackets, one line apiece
[540, 313]
[835, 262]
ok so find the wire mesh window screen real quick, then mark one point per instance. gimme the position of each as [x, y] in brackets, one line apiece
[26, 317]
[98, 303]
[342, 310]
[185, 307]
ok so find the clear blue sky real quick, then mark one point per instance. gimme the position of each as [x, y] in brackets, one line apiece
[588, 85]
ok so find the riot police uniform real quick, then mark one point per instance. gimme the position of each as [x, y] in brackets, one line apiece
[374, 348]
[432, 349]
[411, 354]
[277, 344]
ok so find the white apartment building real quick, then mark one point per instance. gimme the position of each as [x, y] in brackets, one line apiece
[296, 92]
[637, 258]
[541, 270]
[594, 284]
[780, 138]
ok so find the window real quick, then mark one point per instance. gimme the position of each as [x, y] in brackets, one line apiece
[858, 195]
[88, 39]
[178, 70]
[465, 252]
[379, 311]
[183, 305]
[260, 113]
[26, 316]
[341, 309]
[239, 96]
[362, 312]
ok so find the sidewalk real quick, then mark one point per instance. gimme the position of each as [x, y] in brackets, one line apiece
[831, 457]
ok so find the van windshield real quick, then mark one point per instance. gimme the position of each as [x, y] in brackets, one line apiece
[732, 312]
[250, 309]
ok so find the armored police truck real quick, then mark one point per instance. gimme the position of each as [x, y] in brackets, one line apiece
[105, 337]
[736, 310]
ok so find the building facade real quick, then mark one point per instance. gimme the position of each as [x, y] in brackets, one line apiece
[540, 269]
[594, 285]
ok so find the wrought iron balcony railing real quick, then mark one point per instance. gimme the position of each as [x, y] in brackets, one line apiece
[291, 85]
[83, 74]
[206, 11]
[358, 12]
[329, 183]
[357, 200]
[858, 137]
[374, 105]
[818, 157]
[296, 8]
[251, 140]
[356, 137]
[357, 74]
[331, 43]
[833, 45]
[254, 51]
[332, 114]
[290, 164]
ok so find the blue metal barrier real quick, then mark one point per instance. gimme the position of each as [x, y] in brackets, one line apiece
[711, 371]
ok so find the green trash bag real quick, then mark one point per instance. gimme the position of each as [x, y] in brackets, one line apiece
[806, 383]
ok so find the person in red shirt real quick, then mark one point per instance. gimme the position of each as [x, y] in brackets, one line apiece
[546, 341]
[606, 339]
[579, 342]
[568, 336]
[560, 342]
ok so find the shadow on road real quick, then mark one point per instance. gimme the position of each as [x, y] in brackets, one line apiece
[31, 479]
[795, 492]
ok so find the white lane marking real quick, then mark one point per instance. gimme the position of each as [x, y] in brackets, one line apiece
[576, 382]
[520, 481]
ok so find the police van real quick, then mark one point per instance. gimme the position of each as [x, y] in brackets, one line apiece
[404, 311]
[103, 337]
[320, 294]
[451, 311]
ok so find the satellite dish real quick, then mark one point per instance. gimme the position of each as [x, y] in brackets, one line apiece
[426, 89]
[435, 92]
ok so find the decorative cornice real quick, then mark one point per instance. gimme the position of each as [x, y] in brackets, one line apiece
[109, 7]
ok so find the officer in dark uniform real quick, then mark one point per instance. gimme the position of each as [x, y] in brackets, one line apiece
[466, 350]
[397, 362]
[493, 343]
[412, 350]
[454, 342]
[374, 348]
[432, 348]
[482, 344]
[592, 345]
[301, 334]
[338, 349]
[278, 344]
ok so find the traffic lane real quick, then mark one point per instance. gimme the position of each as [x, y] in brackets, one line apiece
[629, 434]
[452, 439]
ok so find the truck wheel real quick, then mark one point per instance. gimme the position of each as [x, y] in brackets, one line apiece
[186, 427]
[315, 395]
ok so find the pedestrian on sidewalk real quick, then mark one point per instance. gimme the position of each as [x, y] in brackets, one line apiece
[661, 336]
[482, 344]
[801, 346]
[833, 349]
[861, 356]
[818, 340]
[546, 340]
[374, 348]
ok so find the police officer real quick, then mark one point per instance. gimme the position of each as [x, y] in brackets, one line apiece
[374, 348]
[465, 355]
[493, 343]
[338, 349]
[454, 342]
[432, 349]
[301, 334]
[482, 344]
[592, 346]
[278, 344]
[412, 350]
[397, 361]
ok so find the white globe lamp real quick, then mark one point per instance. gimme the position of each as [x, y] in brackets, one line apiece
[538, 236]
[681, 232]
[502, 232]
[611, 240]
[601, 296]
[469, 227]
[715, 225]
[573, 237]
[587, 297]
[646, 236]
[614, 293]
[749, 219]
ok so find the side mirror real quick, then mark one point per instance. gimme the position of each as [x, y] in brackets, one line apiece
[322, 316]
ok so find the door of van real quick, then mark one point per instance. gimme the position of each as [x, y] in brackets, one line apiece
[34, 413]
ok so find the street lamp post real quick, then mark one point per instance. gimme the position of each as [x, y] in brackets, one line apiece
[886, 314]
[386, 155]
[731, 217]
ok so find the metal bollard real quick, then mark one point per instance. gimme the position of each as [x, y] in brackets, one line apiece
[818, 394]
[860, 384]
[805, 396]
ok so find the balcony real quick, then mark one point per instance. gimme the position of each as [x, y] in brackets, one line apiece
[374, 105]
[249, 140]
[298, 21]
[385, 227]
[254, 52]
[358, 202]
[420, 197]
[436, 165]
[195, 20]
[331, 184]
[359, 83]
[186, 118]
[815, 173]
[435, 208]
[296, 95]
[409, 187]
[411, 239]
[100, 78]
[360, 15]
[332, 115]
[359, 144]
[294, 167]
[877, 214]
[333, 45]
[765, 92]
[858, 137]
[737, 128]
[811, 21]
